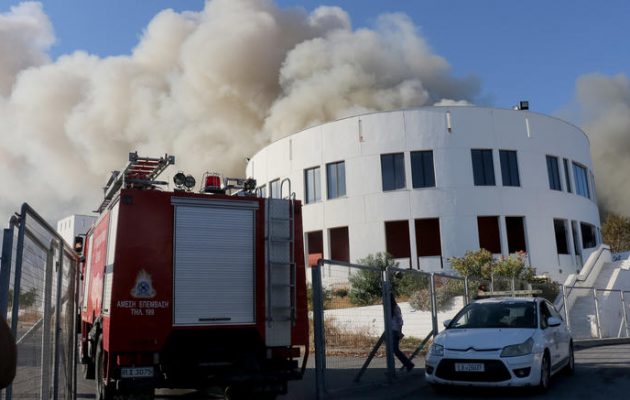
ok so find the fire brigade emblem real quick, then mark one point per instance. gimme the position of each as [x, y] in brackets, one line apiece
[143, 288]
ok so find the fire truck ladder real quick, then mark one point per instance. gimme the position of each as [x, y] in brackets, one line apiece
[139, 172]
[281, 268]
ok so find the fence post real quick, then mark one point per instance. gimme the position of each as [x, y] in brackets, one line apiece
[17, 281]
[625, 313]
[318, 330]
[5, 269]
[57, 337]
[5, 272]
[387, 318]
[46, 334]
[599, 327]
[434, 322]
[466, 294]
[566, 306]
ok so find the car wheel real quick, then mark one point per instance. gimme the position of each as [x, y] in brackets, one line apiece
[569, 369]
[545, 374]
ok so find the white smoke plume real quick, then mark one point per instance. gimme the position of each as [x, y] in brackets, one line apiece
[211, 87]
[604, 108]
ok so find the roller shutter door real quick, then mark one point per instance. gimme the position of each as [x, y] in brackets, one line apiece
[214, 263]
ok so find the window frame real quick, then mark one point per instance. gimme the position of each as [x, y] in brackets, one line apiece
[333, 169]
[556, 222]
[422, 169]
[313, 183]
[398, 174]
[391, 245]
[579, 184]
[509, 168]
[483, 167]
[553, 174]
[567, 176]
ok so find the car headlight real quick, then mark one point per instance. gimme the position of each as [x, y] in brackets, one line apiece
[437, 350]
[516, 350]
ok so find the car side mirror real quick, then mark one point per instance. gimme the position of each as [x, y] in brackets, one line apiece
[554, 321]
[446, 322]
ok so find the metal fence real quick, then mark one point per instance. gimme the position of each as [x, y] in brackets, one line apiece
[38, 277]
[596, 313]
[352, 315]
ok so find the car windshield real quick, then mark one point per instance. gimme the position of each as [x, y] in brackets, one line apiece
[496, 315]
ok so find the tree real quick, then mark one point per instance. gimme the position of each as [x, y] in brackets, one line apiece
[616, 232]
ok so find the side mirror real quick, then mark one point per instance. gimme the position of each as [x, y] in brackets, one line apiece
[447, 322]
[554, 321]
[78, 244]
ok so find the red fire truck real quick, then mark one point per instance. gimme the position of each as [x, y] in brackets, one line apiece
[184, 289]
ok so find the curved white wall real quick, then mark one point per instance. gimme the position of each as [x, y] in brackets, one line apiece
[361, 140]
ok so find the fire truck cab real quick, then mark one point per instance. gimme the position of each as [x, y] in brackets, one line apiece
[184, 289]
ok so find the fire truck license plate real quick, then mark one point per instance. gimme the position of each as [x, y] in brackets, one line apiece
[145, 372]
[469, 367]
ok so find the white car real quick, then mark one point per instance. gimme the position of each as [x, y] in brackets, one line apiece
[501, 342]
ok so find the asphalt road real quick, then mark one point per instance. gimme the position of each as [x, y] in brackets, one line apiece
[601, 373]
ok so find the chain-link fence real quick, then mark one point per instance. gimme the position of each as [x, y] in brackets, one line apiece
[37, 281]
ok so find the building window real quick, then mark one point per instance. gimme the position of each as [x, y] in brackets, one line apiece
[393, 171]
[560, 227]
[422, 173]
[311, 185]
[509, 168]
[589, 235]
[315, 241]
[581, 180]
[397, 239]
[336, 179]
[339, 244]
[483, 167]
[554, 173]
[274, 189]
[488, 229]
[428, 240]
[567, 179]
[515, 227]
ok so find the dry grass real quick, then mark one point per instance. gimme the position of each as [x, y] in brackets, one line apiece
[346, 343]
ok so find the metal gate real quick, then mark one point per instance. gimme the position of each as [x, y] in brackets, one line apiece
[38, 278]
[352, 319]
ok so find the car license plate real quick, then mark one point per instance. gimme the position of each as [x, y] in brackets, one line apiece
[469, 367]
[144, 372]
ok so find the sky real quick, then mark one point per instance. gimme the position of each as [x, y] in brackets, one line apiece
[532, 50]
[84, 82]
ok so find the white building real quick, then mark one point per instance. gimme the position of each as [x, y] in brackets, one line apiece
[73, 226]
[431, 183]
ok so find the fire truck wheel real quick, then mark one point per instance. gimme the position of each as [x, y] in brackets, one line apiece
[102, 391]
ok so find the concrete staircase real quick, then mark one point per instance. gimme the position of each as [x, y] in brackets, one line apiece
[612, 278]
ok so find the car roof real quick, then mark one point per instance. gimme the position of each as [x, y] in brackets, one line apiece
[508, 300]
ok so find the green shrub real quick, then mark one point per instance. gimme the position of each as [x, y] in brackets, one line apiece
[365, 284]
